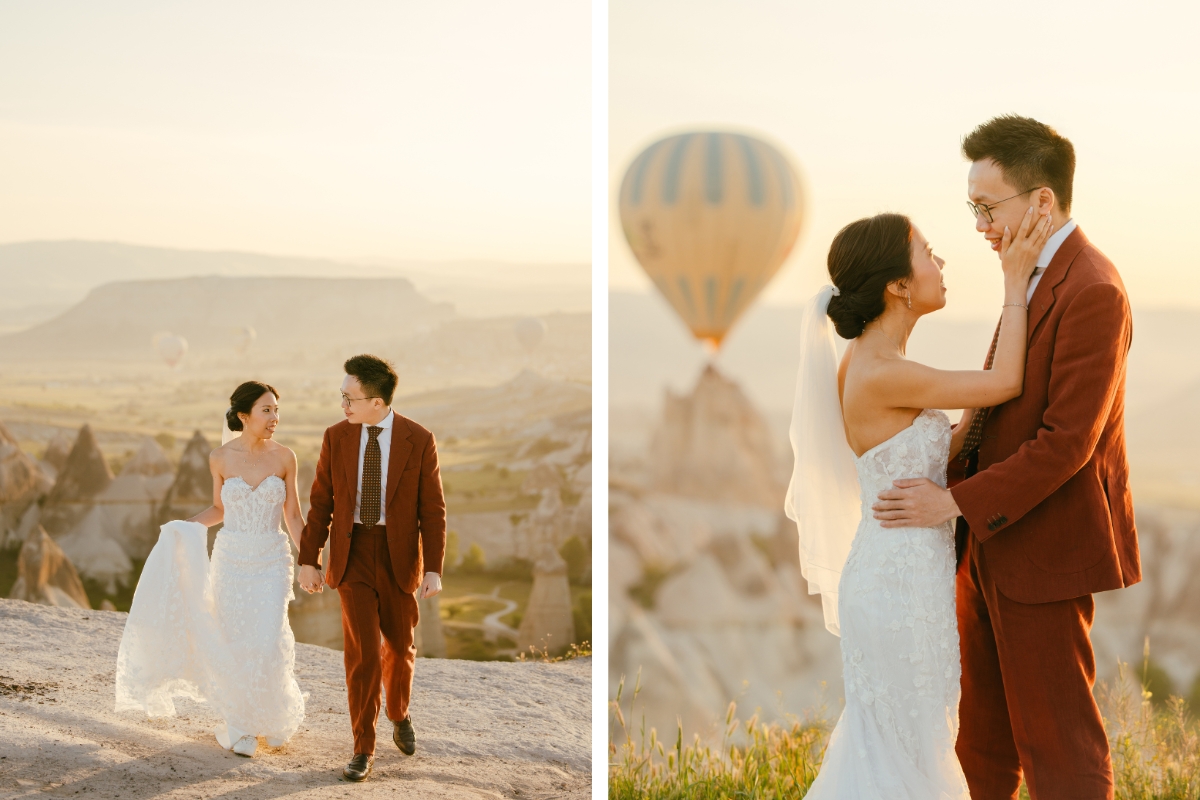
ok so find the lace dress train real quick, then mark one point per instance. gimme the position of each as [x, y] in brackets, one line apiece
[218, 632]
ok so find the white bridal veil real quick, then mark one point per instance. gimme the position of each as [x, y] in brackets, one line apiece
[823, 496]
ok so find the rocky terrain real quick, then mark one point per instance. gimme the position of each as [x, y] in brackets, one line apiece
[483, 730]
[707, 602]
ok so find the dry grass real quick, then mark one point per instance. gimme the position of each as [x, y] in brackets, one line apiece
[1155, 752]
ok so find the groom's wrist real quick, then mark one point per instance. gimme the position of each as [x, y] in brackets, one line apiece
[952, 510]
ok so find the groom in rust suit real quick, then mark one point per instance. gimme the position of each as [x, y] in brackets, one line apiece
[377, 499]
[1042, 494]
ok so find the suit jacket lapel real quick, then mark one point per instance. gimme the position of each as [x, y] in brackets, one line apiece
[401, 447]
[350, 444]
[1043, 296]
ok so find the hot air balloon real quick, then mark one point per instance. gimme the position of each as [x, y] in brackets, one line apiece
[530, 331]
[711, 216]
[245, 337]
[170, 347]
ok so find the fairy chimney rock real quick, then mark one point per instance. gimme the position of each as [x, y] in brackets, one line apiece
[84, 476]
[149, 461]
[191, 491]
[93, 547]
[19, 473]
[85, 473]
[57, 451]
[714, 445]
[548, 623]
[45, 575]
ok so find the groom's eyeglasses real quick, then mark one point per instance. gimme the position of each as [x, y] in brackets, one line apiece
[986, 209]
[347, 400]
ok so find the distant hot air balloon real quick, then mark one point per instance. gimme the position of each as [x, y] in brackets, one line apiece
[245, 337]
[711, 216]
[170, 347]
[530, 331]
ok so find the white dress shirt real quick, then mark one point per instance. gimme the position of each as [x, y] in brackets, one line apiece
[385, 447]
[1052, 244]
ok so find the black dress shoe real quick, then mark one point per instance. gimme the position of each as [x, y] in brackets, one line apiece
[359, 767]
[404, 736]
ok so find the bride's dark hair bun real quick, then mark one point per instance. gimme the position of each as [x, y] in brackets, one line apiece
[864, 258]
[243, 399]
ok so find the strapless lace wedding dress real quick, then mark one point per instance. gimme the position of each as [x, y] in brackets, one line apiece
[900, 658]
[218, 632]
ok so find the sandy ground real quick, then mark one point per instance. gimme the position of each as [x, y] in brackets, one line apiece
[483, 729]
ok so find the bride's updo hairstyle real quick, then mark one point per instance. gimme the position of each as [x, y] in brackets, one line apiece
[864, 258]
[243, 399]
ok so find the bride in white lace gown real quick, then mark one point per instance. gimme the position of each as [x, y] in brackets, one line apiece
[857, 427]
[218, 631]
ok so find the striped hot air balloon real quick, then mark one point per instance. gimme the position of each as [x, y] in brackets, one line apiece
[711, 216]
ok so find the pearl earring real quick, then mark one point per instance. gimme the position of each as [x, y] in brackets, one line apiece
[908, 297]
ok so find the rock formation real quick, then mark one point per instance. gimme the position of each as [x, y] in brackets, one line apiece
[93, 546]
[714, 445]
[57, 451]
[1164, 607]
[84, 475]
[22, 483]
[548, 623]
[706, 599]
[191, 491]
[541, 478]
[130, 501]
[430, 638]
[45, 575]
[316, 618]
[707, 602]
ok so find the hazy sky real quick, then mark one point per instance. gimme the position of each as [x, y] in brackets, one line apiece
[871, 100]
[400, 130]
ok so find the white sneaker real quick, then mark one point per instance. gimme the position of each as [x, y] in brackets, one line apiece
[246, 746]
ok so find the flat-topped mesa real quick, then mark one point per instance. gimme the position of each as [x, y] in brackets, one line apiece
[85, 475]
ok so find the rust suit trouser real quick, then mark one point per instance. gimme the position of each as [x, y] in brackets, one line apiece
[375, 607]
[1027, 704]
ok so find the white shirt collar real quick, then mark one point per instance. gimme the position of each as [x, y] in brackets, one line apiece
[1054, 242]
[386, 422]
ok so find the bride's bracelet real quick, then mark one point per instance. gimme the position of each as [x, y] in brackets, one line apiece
[1018, 305]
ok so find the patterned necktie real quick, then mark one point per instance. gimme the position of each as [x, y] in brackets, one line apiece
[371, 489]
[975, 432]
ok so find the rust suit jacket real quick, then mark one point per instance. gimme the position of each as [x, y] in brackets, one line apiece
[413, 499]
[1048, 501]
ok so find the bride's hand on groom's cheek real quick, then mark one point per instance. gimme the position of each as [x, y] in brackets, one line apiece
[915, 503]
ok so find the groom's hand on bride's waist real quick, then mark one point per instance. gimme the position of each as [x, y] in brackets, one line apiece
[915, 503]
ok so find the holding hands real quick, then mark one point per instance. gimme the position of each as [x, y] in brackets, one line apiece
[310, 579]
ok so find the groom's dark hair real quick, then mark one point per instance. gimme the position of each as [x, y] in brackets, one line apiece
[1028, 152]
[375, 375]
